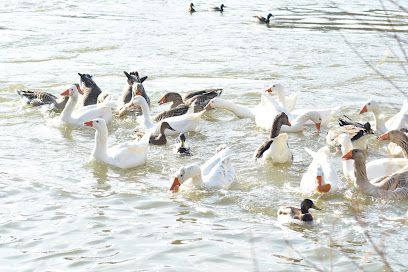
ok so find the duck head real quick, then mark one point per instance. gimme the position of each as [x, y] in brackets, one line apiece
[307, 204]
[72, 91]
[269, 16]
[183, 174]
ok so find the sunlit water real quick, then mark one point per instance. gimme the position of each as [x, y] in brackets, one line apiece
[61, 212]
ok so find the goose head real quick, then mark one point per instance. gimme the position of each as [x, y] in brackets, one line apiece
[183, 174]
[395, 136]
[278, 88]
[96, 123]
[354, 154]
[370, 105]
[307, 204]
[191, 5]
[72, 91]
[269, 16]
[315, 117]
[169, 97]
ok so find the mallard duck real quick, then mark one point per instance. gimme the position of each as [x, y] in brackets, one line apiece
[296, 215]
[161, 138]
[263, 20]
[181, 148]
[220, 8]
[191, 8]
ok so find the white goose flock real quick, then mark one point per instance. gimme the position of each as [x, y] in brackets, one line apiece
[277, 115]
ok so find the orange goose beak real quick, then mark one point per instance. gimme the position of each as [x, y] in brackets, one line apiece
[176, 184]
[322, 188]
[289, 124]
[269, 90]
[65, 93]
[383, 137]
[347, 156]
[363, 109]
[88, 123]
[162, 100]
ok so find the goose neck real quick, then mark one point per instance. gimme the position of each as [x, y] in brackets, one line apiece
[101, 143]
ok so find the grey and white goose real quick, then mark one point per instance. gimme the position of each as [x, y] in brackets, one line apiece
[280, 120]
[399, 138]
[263, 20]
[181, 105]
[90, 89]
[161, 138]
[134, 84]
[37, 98]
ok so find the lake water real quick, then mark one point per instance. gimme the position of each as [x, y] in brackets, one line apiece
[60, 212]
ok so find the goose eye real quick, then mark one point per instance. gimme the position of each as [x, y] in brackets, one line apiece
[97, 121]
[369, 104]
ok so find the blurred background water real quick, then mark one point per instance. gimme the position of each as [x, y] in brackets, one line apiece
[60, 212]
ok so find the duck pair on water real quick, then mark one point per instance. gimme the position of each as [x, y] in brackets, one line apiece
[220, 8]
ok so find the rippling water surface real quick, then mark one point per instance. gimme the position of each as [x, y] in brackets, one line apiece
[61, 212]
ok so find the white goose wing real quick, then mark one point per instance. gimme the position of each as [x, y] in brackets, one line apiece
[291, 101]
[222, 175]
[399, 120]
[207, 167]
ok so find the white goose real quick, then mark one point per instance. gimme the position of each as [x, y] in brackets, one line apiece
[265, 112]
[375, 169]
[78, 117]
[215, 173]
[180, 124]
[286, 101]
[125, 155]
[398, 121]
[325, 114]
[320, 176]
